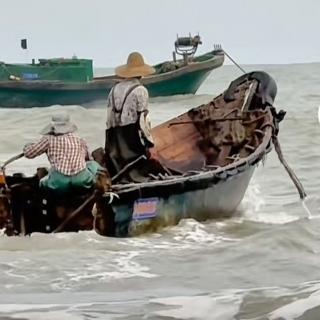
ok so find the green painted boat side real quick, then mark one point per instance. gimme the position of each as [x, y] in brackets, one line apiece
[68, 70]
[26, 94]
[184, 84]
[19, 98]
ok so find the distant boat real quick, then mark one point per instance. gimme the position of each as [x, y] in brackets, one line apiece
[209, 155]
[71, 81]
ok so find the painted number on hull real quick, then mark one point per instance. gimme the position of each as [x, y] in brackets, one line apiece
[145, 208]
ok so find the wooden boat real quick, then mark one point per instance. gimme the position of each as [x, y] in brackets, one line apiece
[71, 81]
[208, 155]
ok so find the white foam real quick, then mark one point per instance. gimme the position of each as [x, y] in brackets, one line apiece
[297, 308]
[116, 266]
[200, 307]
[190, 232]
[42, 311]
[253, 200]
[132, 268]
[47, 315]
[254, 207]
[311, 206]
[9, 308]
[58, 241]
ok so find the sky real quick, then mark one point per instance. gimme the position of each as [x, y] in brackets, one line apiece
[251, 31]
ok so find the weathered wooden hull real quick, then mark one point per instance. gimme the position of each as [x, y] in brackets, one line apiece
[26, 94]
[218, 200]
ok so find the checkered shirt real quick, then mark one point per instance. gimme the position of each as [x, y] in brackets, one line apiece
[66, 153]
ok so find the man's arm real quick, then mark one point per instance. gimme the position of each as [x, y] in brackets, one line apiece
[36, 149]
[109, 109]
[142, 97]
[88, 156]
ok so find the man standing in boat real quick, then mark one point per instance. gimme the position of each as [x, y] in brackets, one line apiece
[71, 164]
[128, 134]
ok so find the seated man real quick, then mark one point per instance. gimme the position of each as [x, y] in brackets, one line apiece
[68, 156]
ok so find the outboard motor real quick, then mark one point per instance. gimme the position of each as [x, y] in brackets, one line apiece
[264, 96]
[266, 91]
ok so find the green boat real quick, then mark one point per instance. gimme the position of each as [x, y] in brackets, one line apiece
[71, 81]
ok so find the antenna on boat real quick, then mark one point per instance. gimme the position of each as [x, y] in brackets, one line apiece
[24, 46]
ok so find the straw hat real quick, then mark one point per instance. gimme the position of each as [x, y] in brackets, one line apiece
[135, 67]
[60, 124]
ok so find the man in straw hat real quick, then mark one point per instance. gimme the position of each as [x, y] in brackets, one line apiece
[128, 127]
[67, 153]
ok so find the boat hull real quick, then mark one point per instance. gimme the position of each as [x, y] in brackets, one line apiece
[218, 200]
[27, 94]
[200, 168]
[21, 98]
[184, 84]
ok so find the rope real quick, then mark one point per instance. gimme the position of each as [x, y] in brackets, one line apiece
[127, 167]
[292, 175]
[233, 61]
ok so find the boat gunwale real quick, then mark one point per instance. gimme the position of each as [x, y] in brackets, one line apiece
[212, 63]
[248, 161]
[215, 56]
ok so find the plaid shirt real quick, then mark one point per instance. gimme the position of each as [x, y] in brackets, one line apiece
[66, 153]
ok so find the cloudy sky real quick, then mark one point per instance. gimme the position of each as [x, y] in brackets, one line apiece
[252, 31]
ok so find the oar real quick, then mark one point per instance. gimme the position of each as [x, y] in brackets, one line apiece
[75, 213]
[127, 167]
[18, 156]
[3, 181]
